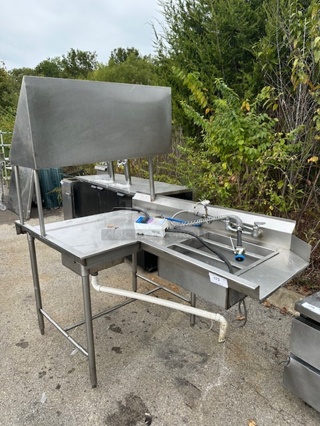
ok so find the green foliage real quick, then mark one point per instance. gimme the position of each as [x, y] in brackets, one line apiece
[50, 68]
[289, 56]
[9, 93]
[253, 153]
[211, 39]
[7, 89]
[120, 54]
[127, 66]
[76, 64]
[241, 161]
[214, 38]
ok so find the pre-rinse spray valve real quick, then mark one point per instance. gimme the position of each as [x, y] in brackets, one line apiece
[253, 230]
[239, 251]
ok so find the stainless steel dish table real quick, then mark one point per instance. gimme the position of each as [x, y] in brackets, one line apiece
[90, 244]
[62, 122]
[86, 249]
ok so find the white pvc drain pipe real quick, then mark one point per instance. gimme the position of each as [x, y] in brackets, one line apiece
[167, 303]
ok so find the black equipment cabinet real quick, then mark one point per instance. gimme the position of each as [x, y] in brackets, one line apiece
[84, 199]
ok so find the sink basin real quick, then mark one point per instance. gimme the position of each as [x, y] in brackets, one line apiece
[193, 248]
[190, 258]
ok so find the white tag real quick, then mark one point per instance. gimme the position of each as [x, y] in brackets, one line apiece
[311, 307]
[215, 279]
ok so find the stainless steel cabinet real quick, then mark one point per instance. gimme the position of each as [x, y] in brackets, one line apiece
[302, 374]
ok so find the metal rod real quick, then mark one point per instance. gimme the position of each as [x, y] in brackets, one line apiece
[111, 170]
[2, 164]
[88, 324]
[127, 173]
[163, 288]
[57, 326]
[151, 180]
[134, 265]
[36, 283]
[107, 311]
[193, 300]
[39, 203]
[19, 198]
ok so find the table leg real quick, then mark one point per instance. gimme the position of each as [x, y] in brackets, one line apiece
[134, 266]
[193, 299]
[36, 283]
[88, 325]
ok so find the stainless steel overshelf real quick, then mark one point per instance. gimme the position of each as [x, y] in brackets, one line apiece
[137, 184]
[64, 122]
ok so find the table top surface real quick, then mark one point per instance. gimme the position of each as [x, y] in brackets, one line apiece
[90, 235]
[95, 239]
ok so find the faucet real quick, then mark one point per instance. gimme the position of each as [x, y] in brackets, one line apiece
[233, 224]
[125, 164]
[256, 231]
[253, 230]
[238, 250]
[204, 204]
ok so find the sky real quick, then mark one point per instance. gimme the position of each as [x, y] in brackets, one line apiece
[34, 30]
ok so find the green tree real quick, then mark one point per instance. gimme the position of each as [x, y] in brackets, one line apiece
[9, 92]
[127, 66]
[76, 64]
[120, 54]
[240, 160]
[214, 38]
[280, 56]
[50, 68]
[289, 57]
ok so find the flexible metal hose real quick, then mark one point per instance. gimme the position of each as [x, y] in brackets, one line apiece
[208, 219]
